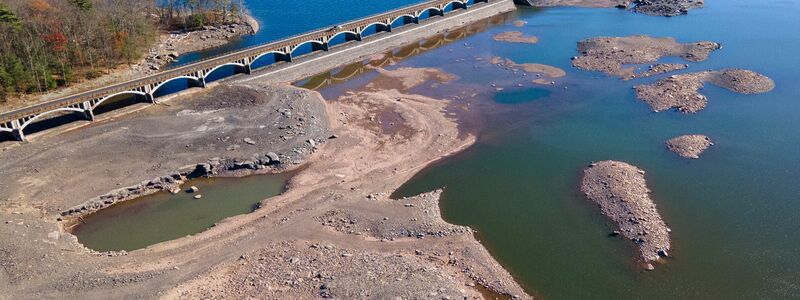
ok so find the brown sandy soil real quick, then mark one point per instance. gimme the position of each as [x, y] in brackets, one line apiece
[620, 190]
[545, 73]
[515, 37]
[682, 92]
[610, 54]
[689, 146]
[169, 47]
[292, 247]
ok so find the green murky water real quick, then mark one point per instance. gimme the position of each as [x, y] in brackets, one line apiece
[163, 216]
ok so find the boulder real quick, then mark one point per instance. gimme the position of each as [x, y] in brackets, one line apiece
[273, 158]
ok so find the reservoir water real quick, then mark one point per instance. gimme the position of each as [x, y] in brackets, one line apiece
[734, 213]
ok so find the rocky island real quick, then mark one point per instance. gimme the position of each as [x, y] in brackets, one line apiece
[621, 192]
[682, 92]
[610, 55]
[689, 146]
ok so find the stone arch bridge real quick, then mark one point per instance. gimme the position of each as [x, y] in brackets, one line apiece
[84, 104]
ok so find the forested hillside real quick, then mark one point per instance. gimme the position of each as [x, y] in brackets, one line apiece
[49, 43]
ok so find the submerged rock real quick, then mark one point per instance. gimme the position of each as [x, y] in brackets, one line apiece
[621, 192]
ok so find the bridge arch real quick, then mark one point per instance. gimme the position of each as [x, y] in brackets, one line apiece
[432, 11]
[319, 46]
[39, 116]
[279, 56]
[401, 17]
[191, 78]
[455, 5]
[95, 105]
[222, 66]
[379, 26]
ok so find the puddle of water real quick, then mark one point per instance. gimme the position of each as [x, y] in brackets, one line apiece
[163, 216]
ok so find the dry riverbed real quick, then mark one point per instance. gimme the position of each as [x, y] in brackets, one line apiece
[620, 190]
[334, 233]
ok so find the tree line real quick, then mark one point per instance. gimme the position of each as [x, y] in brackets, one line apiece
[45, 44]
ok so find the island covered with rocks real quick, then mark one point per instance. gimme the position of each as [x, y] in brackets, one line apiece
[690, 145]
[611, 55]
[682, 92]
[620, 191]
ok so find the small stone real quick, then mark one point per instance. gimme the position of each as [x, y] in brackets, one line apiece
[650, 267]
[198, 196]
[192, 189]
[249, 141]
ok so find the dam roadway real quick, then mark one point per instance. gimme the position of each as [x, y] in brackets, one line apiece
[286, 62]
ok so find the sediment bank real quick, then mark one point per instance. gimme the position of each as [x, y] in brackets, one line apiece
[515, 37]
[620, 190]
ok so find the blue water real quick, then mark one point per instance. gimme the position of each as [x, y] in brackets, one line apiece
[283, 18]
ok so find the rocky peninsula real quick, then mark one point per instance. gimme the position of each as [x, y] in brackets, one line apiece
[620, 190]
[682, 92]
[689, 146]
[610, 55]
